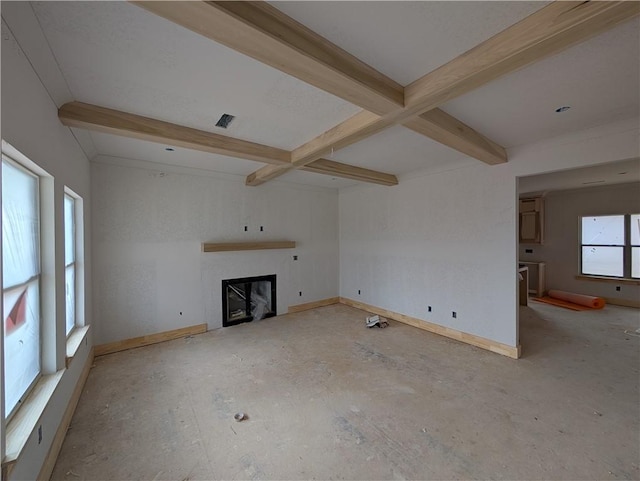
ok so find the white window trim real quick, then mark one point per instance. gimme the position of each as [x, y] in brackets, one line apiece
[79, 262]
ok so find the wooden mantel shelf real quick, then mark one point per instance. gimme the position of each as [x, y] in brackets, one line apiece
[246, 246]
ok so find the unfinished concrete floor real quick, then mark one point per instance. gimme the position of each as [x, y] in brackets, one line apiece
[328, 398]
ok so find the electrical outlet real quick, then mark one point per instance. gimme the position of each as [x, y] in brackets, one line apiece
[617, 288]
[529, 251]
[454, 315]
[261, 229]
[300, 293]
[295, 258]
[358, 291]
[246, 228]
[429, 309]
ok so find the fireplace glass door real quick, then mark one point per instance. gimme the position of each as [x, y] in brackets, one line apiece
[248, 299]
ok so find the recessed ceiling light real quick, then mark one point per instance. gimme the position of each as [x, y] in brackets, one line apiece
[564, 108]
[169, 149]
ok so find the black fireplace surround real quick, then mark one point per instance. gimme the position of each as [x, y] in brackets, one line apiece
[248, 299]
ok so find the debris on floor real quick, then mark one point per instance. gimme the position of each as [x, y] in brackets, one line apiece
[240, 417]
[633, 333]
[376, 321]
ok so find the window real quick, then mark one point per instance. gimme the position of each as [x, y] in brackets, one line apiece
[634, 227]
[20, 282]
[70, 261]
[611, 245]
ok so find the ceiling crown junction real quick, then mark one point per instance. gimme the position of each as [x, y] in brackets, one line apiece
[266, 34]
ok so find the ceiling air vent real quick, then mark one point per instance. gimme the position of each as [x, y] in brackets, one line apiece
[224, 121]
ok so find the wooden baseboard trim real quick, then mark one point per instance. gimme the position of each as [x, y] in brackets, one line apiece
[481, 342]
[61, 433]
[623, 302]
[313, 305]
[141, 341]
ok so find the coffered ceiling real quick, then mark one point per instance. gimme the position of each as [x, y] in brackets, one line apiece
[121, 56]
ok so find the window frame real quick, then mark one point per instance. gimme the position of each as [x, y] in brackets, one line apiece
[631, 246]
[19, 166]
[69, 195]
[626, 247]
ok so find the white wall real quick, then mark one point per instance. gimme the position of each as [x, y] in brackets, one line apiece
[441, 240]
[561, 250]
[30, 124]
[148, 227]
[449, 239]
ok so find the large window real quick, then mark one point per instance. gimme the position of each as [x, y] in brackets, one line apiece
[611, 245]
[20, 282]
[70, 261]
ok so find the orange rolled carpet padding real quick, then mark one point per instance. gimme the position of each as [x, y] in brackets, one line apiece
[559, 303]
[580, 299]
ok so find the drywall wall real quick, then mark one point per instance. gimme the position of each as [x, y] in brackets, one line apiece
[441, 240]
[148, 226]
[561, 248]
[449, 239]
[30, 124]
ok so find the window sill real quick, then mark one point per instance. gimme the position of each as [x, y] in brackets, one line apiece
[612, 280]
[27, 417]
[78, 335]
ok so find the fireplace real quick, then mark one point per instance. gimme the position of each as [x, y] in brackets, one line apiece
[248, 299]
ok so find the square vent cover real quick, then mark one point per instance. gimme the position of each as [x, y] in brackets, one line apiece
[225, 120]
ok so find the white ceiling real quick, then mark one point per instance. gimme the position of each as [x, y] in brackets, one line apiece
[124, 147]
[620, 172]
[598, 79]
[117, 55]
[405, 40]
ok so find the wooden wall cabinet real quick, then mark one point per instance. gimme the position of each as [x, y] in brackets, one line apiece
[532, 220]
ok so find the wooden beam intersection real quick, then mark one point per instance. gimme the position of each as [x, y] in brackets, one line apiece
[264, 33]
[102, 119]
[545, 32]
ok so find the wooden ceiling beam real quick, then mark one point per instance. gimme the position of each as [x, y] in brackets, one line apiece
[101, 119]
[547, 31]
[446, 129]
[264, 33]
[328, 167]
[551, 29]
[436, 124]
[359, 126]
[345, 171]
